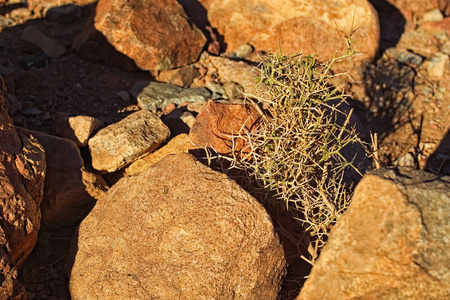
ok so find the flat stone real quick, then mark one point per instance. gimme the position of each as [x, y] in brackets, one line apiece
[178, 230]
[419, 42]
[49, 46]
[160, 94]
[121, 143]
[157, 35]
[404, 56]
[391, 243]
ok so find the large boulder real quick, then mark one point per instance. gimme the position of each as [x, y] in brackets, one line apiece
[121, 143]
[70, 191]
[178, 230]
[157, 35]
[310, 27]
[22, 174]
[392, 243]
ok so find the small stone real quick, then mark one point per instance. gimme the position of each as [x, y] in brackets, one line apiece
[67, 14]
[31, 112]
[437, 65]
[242, 51]
[124, 95]
[419, 42]
[78, 128]
[183, 76]
[4, 21]
[434, 15]
[159, 94]
[49, 46]
[137, 88]
[404, 56]
[445, 48]
[121, 143]
[218, 92]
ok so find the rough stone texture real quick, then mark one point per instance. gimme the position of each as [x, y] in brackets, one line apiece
[414, 9]
[236, 71]
[78, 128]
[35, 37]
[160, 94]
[420, 42]
[70, 191]
[157, 35]
[179, 230]
[121, 143]
[178, 144]
[92, 46]
[217, 122]
[392, 243]
[22, 174]
[182, 76]
[298, 25]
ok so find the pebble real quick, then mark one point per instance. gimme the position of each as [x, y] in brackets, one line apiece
[242, 51]
[434, 15]
[404, 56]
[437, 66]
[124, 95]
[4, 21]
[31, 111]
[67, 14]
[160, 94]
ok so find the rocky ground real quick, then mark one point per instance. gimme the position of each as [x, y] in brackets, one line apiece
[402, 95]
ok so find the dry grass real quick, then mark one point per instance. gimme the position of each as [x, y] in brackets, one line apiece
[293, 160]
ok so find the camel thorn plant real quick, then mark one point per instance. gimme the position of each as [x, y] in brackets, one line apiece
[293, 159]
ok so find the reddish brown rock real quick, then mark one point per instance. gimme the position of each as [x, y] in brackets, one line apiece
[178, 230]
[22, 174]
[157, 35]
[92, 46]
[70, 191]
[297, 26]
[392, 243]
[121, 143]
[218, 122]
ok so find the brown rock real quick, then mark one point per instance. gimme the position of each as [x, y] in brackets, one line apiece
[121, 143]
[392, 243]
[92, 46]
[297, 25]
[218, 122]
[70, 191]
[177, 231]
[420, 42]
[414, 9]
[157, 35]
[178, 144]
[236, 71]
[22, 174]
[78, 129]
[182, 76]
[36, 38]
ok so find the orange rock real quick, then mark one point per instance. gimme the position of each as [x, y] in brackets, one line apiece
[218, 122]
[157, 35]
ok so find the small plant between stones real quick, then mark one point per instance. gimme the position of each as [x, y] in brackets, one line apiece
[293, 160]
